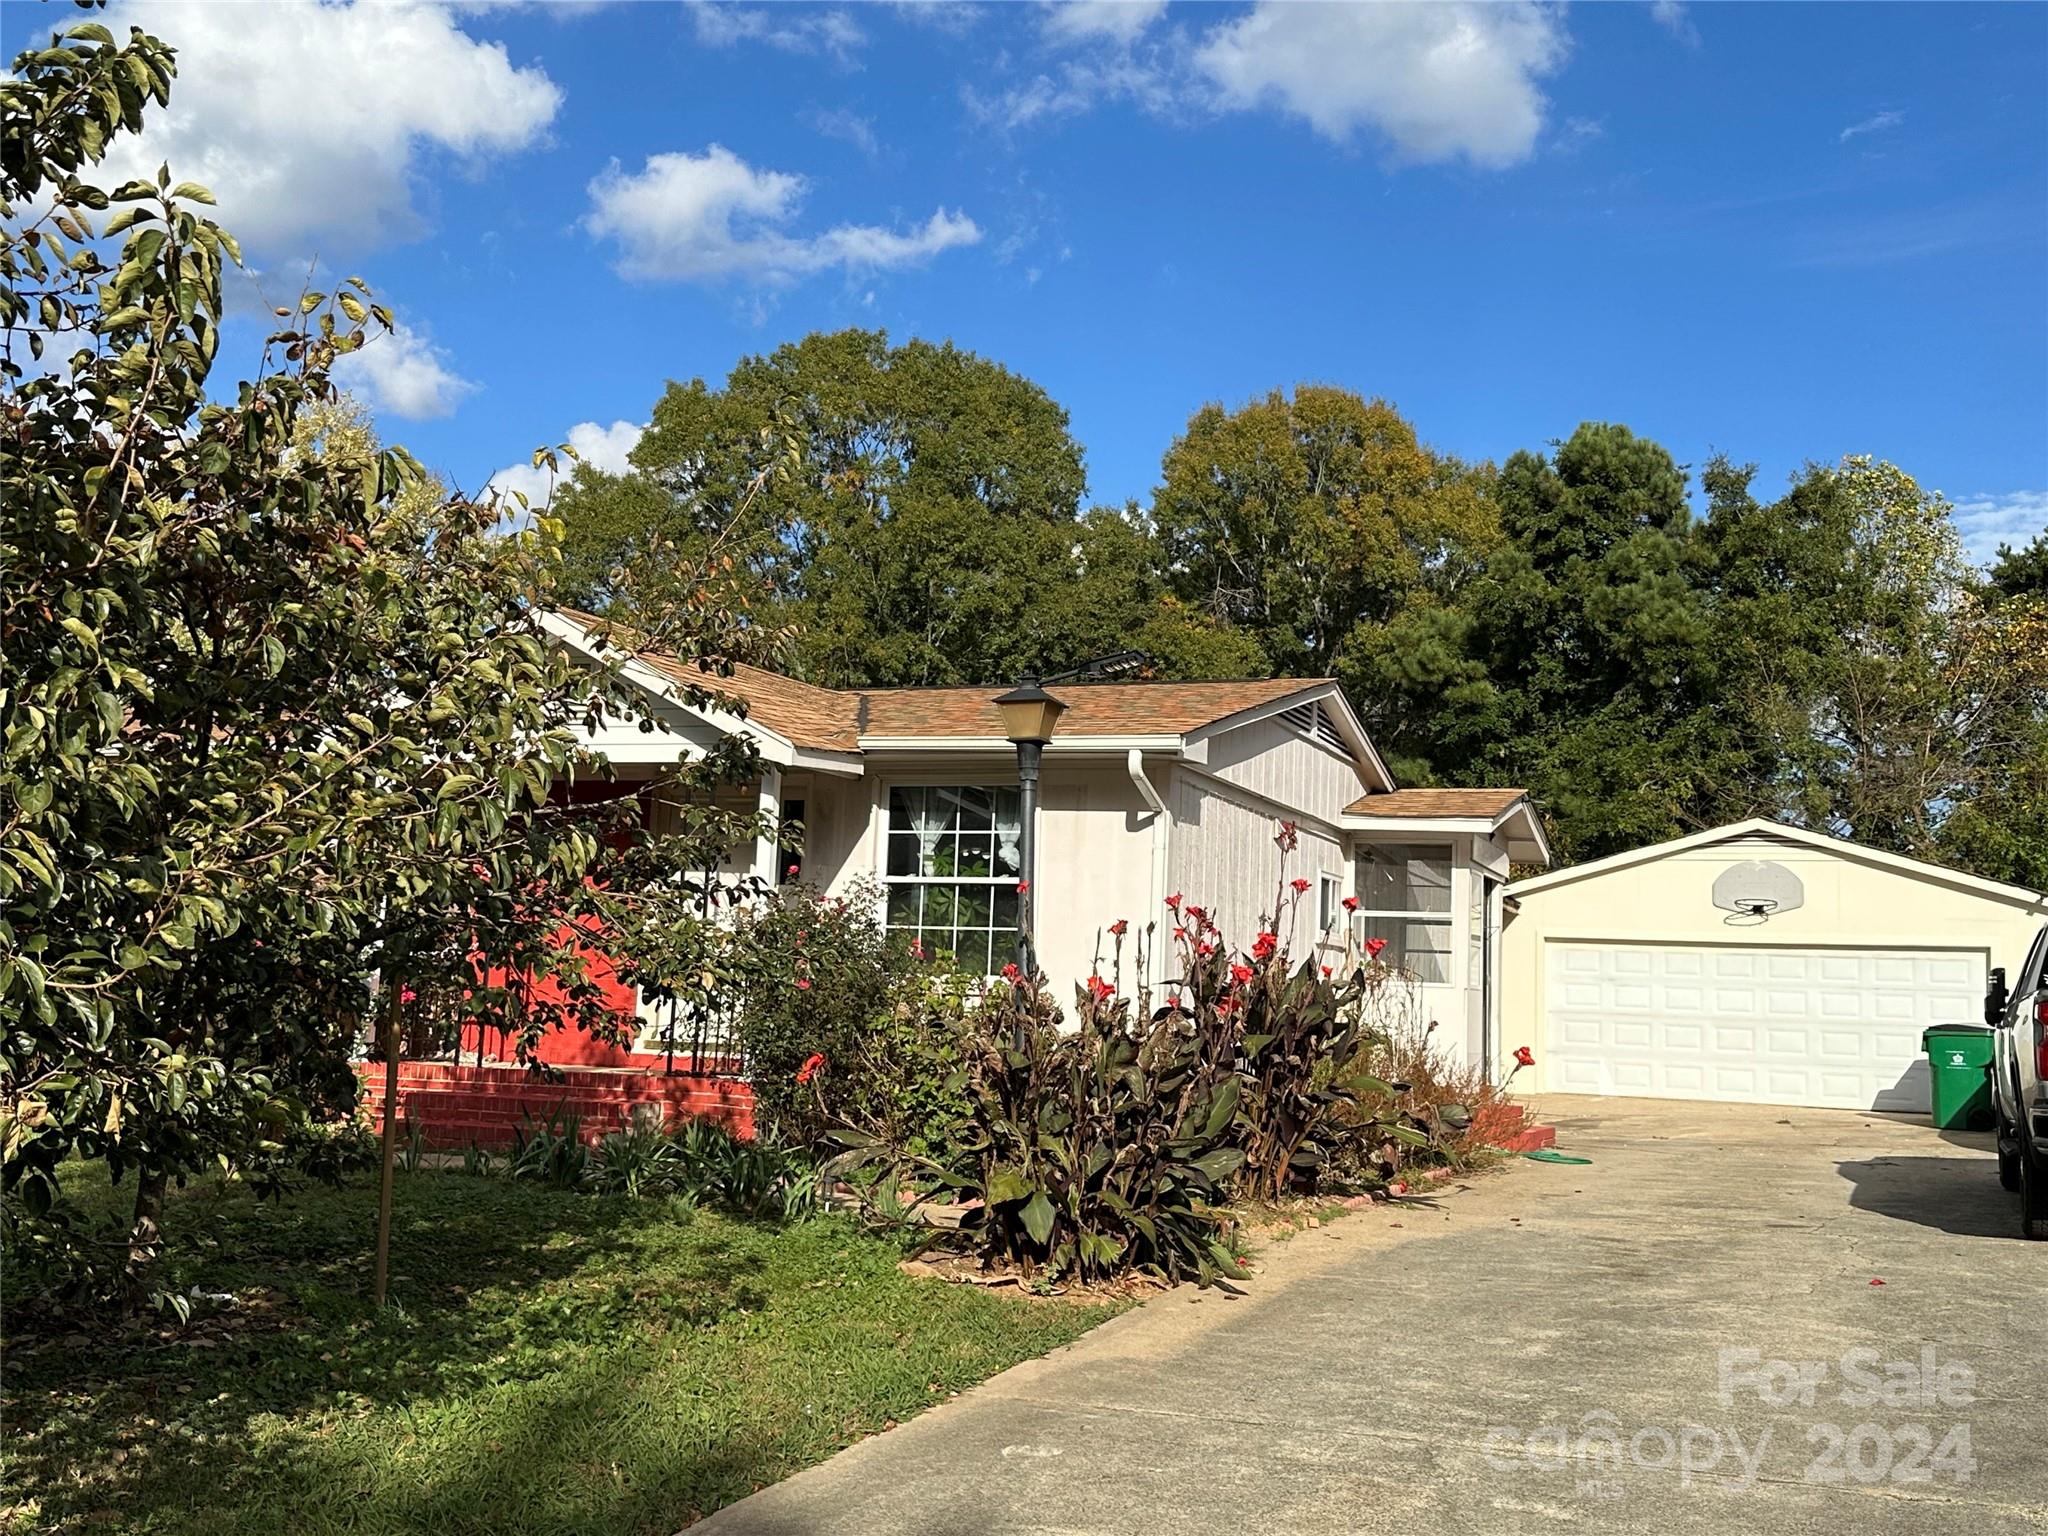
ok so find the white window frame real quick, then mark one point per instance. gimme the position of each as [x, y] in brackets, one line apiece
[1365, 918]
[1002, 942]
[1330, 912]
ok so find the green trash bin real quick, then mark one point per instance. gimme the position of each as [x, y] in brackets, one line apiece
[1959, 1070]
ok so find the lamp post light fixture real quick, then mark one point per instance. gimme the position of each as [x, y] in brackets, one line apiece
[1029, 715]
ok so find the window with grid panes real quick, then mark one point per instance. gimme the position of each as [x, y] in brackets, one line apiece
[951, 869]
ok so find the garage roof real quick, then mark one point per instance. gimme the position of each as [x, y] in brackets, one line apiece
[1764, 826]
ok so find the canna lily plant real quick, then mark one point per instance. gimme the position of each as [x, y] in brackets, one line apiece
[1120, 1141]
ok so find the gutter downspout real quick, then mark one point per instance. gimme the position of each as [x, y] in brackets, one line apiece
[1162, 823]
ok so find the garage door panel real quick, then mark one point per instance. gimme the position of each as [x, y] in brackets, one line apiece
[1792, 1026]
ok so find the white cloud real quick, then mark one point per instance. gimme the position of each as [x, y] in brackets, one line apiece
[1439, 81]
[955, 18]
[310, 122]
[1674, 17]
[1120, 20]
[404, 373]
[1077, 86]
[699, 218]
[602, 448]
[1873, 124]
[848, 125]
[2016, 518]
[832, 33]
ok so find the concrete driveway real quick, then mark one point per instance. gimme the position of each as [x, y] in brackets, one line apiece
[1702, 1292]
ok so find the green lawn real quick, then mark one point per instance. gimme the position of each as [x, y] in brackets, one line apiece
[558, 1363]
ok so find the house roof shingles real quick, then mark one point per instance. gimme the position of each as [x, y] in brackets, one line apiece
[1431, 803]
[1093, 709]
[835, 719]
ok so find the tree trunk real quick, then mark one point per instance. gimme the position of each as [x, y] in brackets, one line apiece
[144, 1233]
[390, 1158]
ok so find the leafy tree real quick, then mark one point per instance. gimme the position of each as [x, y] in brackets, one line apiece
[933, 507]
[1302, 520]
[2018, 571]
[1579, 659]
[279, 732]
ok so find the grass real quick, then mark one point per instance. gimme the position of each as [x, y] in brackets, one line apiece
[556, 1363]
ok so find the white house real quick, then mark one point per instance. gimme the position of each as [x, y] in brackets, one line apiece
[1148, 790]
[1757, 962]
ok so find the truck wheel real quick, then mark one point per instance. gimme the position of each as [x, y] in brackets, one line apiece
[2033, 1191]
[2008, 1149]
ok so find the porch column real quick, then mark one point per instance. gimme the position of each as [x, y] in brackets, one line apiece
[767, 845]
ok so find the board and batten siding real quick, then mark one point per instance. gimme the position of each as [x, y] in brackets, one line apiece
[1275, 761]
[1223, 858]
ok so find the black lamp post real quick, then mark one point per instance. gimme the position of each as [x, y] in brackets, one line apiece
[1029, 714]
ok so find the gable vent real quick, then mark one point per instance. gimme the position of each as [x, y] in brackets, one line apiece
[1314, 722]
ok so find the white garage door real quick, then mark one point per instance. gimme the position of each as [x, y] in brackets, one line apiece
[1832, 1027]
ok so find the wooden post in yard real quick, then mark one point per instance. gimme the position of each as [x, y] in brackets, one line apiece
[390, 1160]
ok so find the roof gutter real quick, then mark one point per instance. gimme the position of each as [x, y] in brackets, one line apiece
[1059, 746]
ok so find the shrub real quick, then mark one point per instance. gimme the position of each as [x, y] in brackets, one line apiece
[841, 1023]
[824, 977]
[700, 1160]
[550, 1151]
[1120, 1144]
[637, 1162]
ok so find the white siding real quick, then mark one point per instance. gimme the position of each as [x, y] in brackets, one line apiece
[1094, 851]
[1274, 760]
[676, 735]
[1223, 858]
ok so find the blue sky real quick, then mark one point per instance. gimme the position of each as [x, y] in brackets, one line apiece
[1784, 232]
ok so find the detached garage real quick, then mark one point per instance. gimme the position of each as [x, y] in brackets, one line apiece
[1759, 963]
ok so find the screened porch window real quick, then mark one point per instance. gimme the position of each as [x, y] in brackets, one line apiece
[1404, 897]
[953, 863]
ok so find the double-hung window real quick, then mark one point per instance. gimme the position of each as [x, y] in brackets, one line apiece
[953, 862]
[1404, 897]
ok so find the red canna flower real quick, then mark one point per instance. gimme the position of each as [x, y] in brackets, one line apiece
[1173, 901]
[1326, 970]
[1099, 989]
[1117, 928]
[917, 948]
[1299, 885]
[1264, 945]
[1241, 973]
[1180, 933]
[1013, 972]
[1023, 886]
[793, 870]
[1373, 948]
[1225, 1005]
[810, 1067]
[1524, 1057]
[1205, 949]
[1173, 999]
[1350, 903]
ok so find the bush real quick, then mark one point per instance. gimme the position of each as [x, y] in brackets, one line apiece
[700, 1161]
[1120, 1145]
[844, 1024]
[825, 975]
